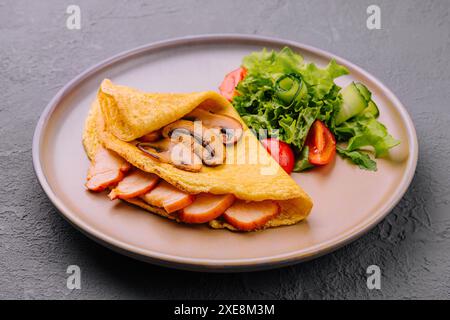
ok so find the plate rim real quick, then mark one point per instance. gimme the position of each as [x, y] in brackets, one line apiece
[221, 265]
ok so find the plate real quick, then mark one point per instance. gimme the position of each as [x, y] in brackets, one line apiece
[348, 201]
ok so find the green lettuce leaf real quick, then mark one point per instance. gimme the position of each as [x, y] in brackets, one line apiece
[302, 163]
[367, 132]
[263, 106]
[321, 81]
[284, 95]
[359, 158]
[272, 64]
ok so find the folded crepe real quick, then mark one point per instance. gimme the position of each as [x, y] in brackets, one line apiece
[120, 114]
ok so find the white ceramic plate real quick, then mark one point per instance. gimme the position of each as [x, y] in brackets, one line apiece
[348, 201]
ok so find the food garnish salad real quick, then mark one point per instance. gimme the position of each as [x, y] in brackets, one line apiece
[300, 106]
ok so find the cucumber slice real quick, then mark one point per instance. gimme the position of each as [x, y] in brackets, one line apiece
[371, 109]
[290, 88]
[353, 103]
[364, 91]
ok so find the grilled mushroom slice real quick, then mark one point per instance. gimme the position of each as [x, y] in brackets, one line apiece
[180, 127]
[173, 152]
[206, 142]
[214, 150]
[230, 128]
[189, 141]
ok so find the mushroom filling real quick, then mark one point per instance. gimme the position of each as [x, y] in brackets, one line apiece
[175, 153]
[206, 142]
[214, 153]
[188, 143]
[230, 128]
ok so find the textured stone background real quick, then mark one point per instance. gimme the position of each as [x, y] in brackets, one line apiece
[410, 54]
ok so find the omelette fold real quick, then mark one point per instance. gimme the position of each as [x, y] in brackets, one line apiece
[120, 116]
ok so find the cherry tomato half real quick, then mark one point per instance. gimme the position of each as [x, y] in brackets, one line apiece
[321, 143]
[231, 80]
[281, 152]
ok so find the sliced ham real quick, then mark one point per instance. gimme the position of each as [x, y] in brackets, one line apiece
[166, 196]
[133, 185]
[206, 207]
[248, 216]
[106, 170]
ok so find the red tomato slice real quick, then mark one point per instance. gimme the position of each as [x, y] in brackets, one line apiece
[231, 80]
[281, 152]
[321, 143]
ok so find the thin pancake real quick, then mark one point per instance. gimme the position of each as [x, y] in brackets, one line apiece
[245, 180]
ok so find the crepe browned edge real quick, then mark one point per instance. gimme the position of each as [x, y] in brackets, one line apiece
[91, 142]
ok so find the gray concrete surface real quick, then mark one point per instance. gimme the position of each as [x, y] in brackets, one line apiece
[38, 55]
